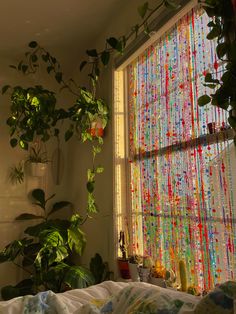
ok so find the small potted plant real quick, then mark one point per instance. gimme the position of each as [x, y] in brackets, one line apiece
[158, 275]
[145, 268]
[37, 161]
[123, 262]
[134, 263]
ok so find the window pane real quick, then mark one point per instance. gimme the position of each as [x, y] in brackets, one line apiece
[181, 195]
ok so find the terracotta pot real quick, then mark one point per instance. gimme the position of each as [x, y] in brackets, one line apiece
[96, 128]
[123, 266]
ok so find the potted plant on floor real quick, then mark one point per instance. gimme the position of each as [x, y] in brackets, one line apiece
[45, 251]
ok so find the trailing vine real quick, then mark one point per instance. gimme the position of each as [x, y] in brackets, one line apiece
[223, 28]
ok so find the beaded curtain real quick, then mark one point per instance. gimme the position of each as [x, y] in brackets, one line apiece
[181, 199]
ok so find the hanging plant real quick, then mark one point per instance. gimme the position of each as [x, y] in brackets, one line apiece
[223, 29]
[33, 114]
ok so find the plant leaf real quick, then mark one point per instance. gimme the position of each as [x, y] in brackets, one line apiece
[78, 277]
[92, 53]
[171, 4]
[112, 41]
[58, 77]
[142, 10]
[59, 205]
[69, 133]
[105, 57]
[5, 88]
[13, 142]
[203, 100]
[33, 44]
[82, 65]
[39, 195]
[24, 287]
[27, 216]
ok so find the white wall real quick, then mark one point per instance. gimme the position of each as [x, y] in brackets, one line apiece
[14, 198]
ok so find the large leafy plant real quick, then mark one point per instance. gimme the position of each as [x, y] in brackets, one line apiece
[45, 252]
[33, 114]
[223, 28]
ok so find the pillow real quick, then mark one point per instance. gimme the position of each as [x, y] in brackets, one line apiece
[219, 301]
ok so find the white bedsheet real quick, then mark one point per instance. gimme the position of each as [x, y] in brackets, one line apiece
[81, 301]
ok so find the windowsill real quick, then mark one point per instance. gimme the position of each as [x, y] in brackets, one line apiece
[208, 139]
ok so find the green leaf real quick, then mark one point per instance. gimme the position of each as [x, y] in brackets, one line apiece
[13, 142]
[215, 32]
[39, 195]
[99, 169]
[69, 133]
[232, 122]
[90, 187]
[97, 268]
[221, 50]
[78, 277]
[23, 145]
[82, 65]
[212, 86]
[76, 239]
[203, 100]
[5, 88]
[49, 69]
[142, 10]
[13, 66]
[34, 58]
[33, 44]
[113, 42]
[58, 77]
[91, 206]
[105, 57]
[24, 287]
[92, 53]
[24, 68]
[27, 216]
[170, 4]
[45, 58]
[59, 205]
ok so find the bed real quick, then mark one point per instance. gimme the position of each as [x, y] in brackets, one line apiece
[123, 298]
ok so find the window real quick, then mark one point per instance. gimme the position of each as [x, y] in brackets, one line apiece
[178, 202]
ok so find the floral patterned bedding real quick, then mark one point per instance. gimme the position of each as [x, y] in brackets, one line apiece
[124, 298]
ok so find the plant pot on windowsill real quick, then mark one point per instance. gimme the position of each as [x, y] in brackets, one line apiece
[123, 266]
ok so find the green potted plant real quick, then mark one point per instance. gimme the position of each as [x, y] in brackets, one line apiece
[33, 114]
[37, 161]
[134, 263]
[123, 262]
[223, 29]
[44, 253]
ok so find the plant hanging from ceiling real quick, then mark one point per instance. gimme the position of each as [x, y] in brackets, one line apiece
[33, 110]
[223, 28]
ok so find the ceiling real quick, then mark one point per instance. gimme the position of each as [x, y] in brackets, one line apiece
[64, 26]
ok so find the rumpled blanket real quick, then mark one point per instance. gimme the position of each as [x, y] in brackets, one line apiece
[123, 298]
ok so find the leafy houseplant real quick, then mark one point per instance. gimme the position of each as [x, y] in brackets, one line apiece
[35, 163]
[33, 114]
[45, 252]
[223, 28]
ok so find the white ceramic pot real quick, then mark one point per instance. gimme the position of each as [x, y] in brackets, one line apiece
[37, 169]
[144, 274]
[133, 270]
